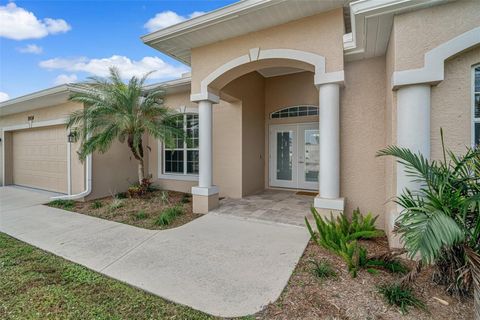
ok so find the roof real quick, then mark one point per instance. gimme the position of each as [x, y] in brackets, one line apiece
[370, 21]
[59, 94]
[236, 19]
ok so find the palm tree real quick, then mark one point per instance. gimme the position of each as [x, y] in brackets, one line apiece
[115, 110]
[441, 220]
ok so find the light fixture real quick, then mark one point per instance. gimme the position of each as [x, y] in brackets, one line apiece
[72, 137]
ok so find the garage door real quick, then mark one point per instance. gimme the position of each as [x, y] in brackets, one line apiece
[40, 158]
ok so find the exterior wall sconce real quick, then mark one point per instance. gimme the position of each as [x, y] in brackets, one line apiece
[72, 137]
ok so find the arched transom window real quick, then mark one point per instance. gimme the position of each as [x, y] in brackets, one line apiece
[295, 111]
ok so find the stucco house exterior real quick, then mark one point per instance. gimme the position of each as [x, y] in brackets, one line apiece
[297, 95]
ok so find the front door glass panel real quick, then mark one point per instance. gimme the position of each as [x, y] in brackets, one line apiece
[284, 155]
[312, 155]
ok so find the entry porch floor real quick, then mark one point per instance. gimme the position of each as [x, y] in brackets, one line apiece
[288, 207]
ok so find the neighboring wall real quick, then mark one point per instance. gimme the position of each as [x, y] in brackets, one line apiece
[321, 34]
[362, 134]
[250, 90]
[452, 105]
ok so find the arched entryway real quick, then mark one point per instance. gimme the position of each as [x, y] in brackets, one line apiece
[326, 121]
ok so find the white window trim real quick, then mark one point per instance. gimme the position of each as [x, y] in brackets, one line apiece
[161, 158]
[474, 119]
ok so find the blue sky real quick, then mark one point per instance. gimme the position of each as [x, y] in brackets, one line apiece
[46, 43]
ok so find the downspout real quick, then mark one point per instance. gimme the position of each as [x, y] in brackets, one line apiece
[88, 182]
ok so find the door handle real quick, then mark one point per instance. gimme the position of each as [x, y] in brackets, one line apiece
[301, 162]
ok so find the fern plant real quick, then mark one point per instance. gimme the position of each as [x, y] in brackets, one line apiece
[340, 236]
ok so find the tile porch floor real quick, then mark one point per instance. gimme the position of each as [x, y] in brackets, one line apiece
[270, 205]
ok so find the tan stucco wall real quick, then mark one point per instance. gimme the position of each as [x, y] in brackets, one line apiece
[362, 134]
[390, 135]
[431, 27]
[321, 34]
[250, 90]
[113, 171]
[452, 105]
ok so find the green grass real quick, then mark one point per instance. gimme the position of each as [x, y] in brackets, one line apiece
[141, 215]
[168, 215]
[322, 269]
[401, 297]
[62, 204]
[38, 285]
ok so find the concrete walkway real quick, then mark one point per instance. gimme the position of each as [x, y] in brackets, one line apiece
[220, 264]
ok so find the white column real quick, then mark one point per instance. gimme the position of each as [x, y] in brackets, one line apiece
[329, 128]
[413, 127]
[205, 144]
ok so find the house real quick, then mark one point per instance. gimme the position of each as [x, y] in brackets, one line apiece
[283, 94]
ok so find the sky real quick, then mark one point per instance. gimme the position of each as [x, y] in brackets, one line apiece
[48, 43]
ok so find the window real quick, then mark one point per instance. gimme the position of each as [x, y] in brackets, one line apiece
[183, 157]
[476, 105]
[297, 111]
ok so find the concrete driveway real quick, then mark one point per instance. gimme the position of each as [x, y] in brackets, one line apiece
[220, 264]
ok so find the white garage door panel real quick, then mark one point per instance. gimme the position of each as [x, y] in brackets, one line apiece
[40, 158]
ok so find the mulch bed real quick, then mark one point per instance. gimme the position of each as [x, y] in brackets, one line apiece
[151, 204]
[344, 297]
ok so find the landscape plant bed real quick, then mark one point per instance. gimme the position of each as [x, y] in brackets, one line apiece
[344, 297]
[143, 211]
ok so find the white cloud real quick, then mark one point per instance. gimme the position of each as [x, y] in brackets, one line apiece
[31, 48]
[167, 18]
[4, 96]
[65, 78]
[19, 24]
[127, 67]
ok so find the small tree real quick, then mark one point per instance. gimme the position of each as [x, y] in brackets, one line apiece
[441, 220]
[114, 110]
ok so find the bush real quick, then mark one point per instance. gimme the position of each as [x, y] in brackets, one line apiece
[340, 237]
[185, 198]
[140, 215]
[121, 195]
[138, 190]
[62, 204]
[97, 204]
[401, 297]
[168, 215]
[117, 203]
[322, 269]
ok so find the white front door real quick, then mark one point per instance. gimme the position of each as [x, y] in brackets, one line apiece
[294, 156]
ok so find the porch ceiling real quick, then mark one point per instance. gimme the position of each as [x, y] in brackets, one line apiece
[239, 18]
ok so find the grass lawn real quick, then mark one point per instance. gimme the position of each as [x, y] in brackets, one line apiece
[38, 285]
[155, 210]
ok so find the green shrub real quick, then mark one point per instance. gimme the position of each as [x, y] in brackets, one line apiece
[62, 204]
[164, 198]
[393, 265]
[140, 215]
[399, 296]
[117, 203]
[322, 269]
[97, 204]
[121, 195]
[339, 236]
[185, 198]
[168, 215]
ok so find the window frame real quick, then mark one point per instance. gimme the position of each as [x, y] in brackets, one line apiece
[474, 119]
[288, 109]
[184, 111]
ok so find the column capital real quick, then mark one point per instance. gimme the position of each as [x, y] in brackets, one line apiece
[337, 77]
[208, 96]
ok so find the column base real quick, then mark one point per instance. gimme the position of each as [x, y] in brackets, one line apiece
[204, 199]
[329, 207]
